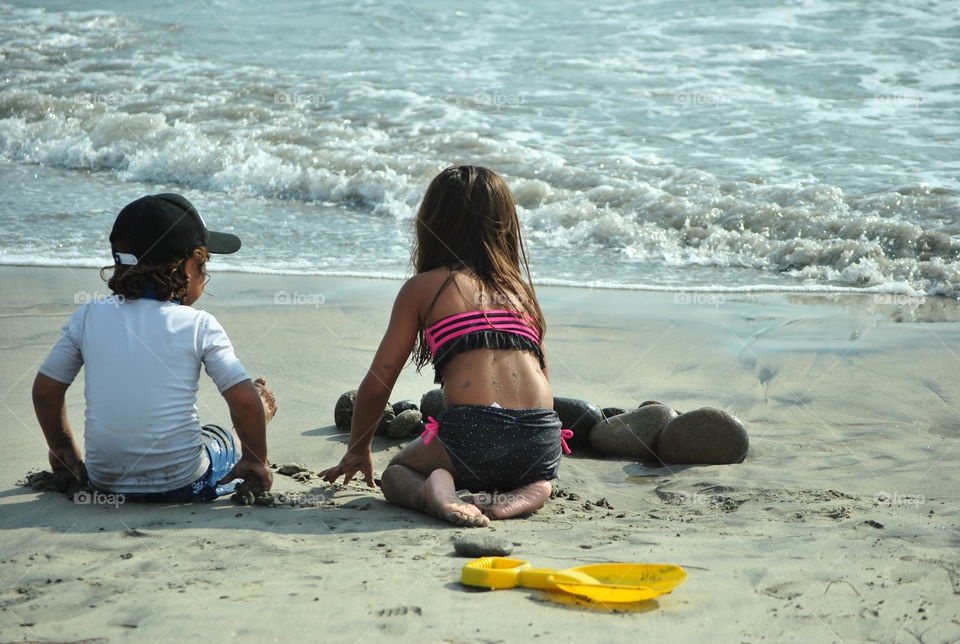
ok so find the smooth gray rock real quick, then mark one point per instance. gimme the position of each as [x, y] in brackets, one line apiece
[407, 423]
[482, 545]
[633, 434]
[649, 402]
[432, 403]
[579, 416]
[704, 436]
[609, 412]
[385, 420]
[655, 402]
[291, 468]
[343, 412]
[404, 405]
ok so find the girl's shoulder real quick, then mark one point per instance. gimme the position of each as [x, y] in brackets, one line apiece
[434, 275]
[434, 291]
[426, 284]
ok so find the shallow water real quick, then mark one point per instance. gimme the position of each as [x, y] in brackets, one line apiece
[807, 145]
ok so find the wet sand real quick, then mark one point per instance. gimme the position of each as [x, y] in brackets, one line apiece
[841, 525]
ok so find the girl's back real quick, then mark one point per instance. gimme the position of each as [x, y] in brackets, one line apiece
[512, 378]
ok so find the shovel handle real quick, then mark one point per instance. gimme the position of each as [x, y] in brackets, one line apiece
[493, 572]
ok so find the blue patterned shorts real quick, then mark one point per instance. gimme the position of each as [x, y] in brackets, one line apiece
[224, 454]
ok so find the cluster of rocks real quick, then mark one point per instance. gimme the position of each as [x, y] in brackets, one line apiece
[651, 432]
[399, 420]
[248, 493]
[655, 432]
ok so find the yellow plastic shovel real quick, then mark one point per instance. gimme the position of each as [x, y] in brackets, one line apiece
[611, 582]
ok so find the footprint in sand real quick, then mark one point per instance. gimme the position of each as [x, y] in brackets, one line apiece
[787, 590]
[398, 611]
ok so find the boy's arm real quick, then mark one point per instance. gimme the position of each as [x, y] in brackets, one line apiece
[246, 411]
[49, 403]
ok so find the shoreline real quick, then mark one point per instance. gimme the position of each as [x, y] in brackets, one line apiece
[841, 525]
[899, 293]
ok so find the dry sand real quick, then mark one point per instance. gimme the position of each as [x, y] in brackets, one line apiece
[841, 526]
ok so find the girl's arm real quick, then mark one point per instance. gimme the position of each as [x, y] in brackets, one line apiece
[49, 403]
[374, 391]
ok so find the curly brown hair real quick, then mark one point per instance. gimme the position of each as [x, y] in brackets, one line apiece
[168, 280]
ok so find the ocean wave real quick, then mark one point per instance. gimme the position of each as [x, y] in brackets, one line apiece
[812, 232]
[369, 148]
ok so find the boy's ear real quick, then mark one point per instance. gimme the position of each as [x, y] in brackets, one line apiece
[192, 266]
[193, 263]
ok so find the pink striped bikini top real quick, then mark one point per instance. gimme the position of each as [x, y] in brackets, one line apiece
[497, 329]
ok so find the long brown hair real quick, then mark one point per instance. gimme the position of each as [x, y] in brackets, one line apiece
[168, 280]
[468, 221]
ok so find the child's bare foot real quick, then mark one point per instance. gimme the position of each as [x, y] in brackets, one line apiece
[523, 500]
[439, 498]
[266, 395]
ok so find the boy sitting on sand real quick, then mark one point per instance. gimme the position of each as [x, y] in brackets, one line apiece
[142, 348]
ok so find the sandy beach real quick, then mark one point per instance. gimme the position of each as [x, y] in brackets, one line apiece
[842, 525]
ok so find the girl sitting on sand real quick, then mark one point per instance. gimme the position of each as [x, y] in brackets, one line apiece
[471, 310]
[142, 348]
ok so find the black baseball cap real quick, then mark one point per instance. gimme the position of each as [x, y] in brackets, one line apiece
[165, 227]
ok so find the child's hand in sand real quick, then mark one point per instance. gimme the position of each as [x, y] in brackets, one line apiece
[67, 460]
[254, 473]
[349, 466]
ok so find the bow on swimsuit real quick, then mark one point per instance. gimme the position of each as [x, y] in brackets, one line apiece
[493, 329]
